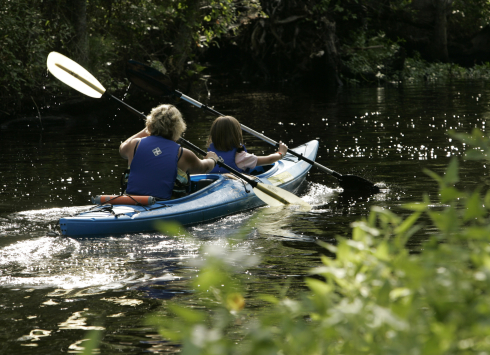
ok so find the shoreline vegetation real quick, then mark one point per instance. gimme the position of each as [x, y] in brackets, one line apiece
[323, 42]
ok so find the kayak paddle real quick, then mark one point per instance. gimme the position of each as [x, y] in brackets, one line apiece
[158, 84]
[74, 75]
[77, 77]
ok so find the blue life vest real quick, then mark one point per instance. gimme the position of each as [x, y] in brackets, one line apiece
[154, 168]
[228, 159]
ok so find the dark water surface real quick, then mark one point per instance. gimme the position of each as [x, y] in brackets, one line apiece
[54, 289]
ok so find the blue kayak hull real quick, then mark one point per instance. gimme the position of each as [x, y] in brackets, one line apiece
[223, 197]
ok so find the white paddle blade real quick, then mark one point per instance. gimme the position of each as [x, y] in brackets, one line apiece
[275, 196]
[74, 75]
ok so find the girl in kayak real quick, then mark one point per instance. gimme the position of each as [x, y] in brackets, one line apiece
[157, 163]
[225, 139]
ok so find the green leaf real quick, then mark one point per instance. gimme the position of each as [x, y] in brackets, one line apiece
[452, 176]
[383, 251]
[487, 200]
[210, 277]
[474, 207]
[174, 335]
[447, 221]
[416, 206]
[449, 194]
[269, 298]
[475, 154]
[170, 228]
[408, 223]
[332, 248]
[89, 346]
[189, 315]
[318, 287]
[433, 175]
[399, 292]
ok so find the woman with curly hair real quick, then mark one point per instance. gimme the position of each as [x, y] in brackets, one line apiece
[157, 163]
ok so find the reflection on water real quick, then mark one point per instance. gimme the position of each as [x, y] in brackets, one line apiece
[54, 288]
[89, 265]
[279, 222]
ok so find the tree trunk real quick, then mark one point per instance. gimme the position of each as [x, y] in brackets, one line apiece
[184, 42]
[439, 39]
[78, 10]
[332, 58]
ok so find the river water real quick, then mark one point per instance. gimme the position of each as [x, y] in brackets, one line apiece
[54, 289]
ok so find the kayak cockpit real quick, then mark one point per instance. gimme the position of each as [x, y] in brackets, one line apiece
[199, 182]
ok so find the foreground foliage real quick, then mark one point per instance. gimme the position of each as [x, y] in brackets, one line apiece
[373, 297]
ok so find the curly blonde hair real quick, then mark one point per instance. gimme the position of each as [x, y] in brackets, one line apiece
[166, 121]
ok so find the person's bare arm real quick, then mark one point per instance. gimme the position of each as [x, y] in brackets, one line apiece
[126, 149]
[191, 164]
[272, 158]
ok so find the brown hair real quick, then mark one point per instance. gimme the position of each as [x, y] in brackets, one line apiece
[226, 133]
[166, 121]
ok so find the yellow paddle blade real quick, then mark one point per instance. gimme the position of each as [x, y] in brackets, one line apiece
[275, 196]
[74, 75]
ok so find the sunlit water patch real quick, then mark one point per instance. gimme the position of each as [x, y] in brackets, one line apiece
[319, 195]
[93, 265]
[263, 221]
[222, 228]
[38, 223]
[50, 214]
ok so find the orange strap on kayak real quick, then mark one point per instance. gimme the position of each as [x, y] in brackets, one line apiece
[124, 200]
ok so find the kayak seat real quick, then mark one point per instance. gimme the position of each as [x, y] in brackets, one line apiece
[260, 169]
[200, 184]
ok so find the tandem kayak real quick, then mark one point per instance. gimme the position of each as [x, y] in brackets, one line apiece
[212, 196]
